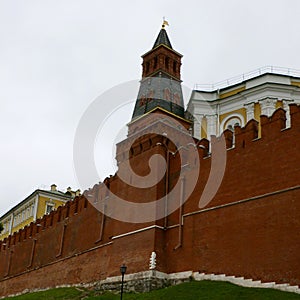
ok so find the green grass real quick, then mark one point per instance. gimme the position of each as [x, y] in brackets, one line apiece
[194, 290]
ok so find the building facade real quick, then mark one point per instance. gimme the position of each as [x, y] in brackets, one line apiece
[33, 207]
[264, 91]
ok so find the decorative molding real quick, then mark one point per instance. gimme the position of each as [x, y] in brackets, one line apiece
[152, 264]
[231, 116]
[268, 106]
[197, 125]
[286, 107]
[211, 125]
[250, 111]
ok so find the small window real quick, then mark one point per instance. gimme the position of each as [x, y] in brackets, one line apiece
[155, 62]
[147, 66]
[49, 208]
[174, 66]
[167, 62]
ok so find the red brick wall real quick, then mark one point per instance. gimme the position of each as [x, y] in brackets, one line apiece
[258, 238]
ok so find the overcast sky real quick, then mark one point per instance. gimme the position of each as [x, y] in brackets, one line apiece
[57, 56]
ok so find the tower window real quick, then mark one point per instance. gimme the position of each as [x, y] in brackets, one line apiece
[155, 62]
[147, 66]
[167, 62]
[174, 66]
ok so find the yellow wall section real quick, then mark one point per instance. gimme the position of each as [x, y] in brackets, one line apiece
[231, 93]
[3, 236]
[16, 228]
[279, 104]
[241, 111]
[257, 113]
[42, 201]
[23, 224]
[42, 205]
[295, 83]
[204, 128]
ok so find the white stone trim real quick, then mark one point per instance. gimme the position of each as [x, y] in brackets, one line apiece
[250, 111]
[211, 125]
[197, 125]
[234, 115]
[286, 107]
[136, 231]
[36, 203]
[268, 106]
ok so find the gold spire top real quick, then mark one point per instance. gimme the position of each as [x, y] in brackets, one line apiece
[165, 22]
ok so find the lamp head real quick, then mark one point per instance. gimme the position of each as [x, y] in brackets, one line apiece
[123, 269]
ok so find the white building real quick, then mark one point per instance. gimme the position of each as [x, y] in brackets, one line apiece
[238, 100]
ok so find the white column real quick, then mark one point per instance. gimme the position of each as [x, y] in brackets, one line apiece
[35, 207]
[197, 126]
[211, 125]
[267, 106]
[250, 111]
[11, 223]
[287, 112]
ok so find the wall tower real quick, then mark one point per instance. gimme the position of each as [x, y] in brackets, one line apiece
[160, 86]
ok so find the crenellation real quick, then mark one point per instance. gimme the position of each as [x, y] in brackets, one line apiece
[228, 136]
[295, 116]
[242, 136]
[76, 202]
[22, 234]
[273, 125]
[30, 230]
[25, 230]
[203, 147]
[47, 220]
[8, 242]
[73, 208]
[55, 216]
[81, 200]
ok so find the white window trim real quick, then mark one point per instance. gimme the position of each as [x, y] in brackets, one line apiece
[49, 203]
[231, 116]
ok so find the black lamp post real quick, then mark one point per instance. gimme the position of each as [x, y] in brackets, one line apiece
[123, 271]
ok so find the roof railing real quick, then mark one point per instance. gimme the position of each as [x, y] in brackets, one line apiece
[246, 76]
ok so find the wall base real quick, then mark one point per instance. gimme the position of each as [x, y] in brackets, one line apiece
[151, 280]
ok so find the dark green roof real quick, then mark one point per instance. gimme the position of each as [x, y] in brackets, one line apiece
[162, 39]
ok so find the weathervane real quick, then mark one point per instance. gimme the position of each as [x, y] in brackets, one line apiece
[164, 23]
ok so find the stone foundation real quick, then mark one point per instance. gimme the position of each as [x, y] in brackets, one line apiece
[143, 281]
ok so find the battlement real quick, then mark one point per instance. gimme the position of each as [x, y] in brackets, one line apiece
[31, 231]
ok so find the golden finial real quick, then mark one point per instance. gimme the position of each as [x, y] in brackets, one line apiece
[164, 23]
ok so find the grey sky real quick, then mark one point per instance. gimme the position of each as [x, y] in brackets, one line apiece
[56, 57]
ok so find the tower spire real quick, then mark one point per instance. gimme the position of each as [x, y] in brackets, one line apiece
[162, 38]
[161, 84]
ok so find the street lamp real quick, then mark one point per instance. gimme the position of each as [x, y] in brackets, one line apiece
[123, 271]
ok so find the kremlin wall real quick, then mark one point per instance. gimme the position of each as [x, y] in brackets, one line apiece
[249, 228]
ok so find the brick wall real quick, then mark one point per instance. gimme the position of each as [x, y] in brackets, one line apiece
[250, 228]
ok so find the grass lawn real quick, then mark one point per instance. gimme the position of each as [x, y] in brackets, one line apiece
[193, 290]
